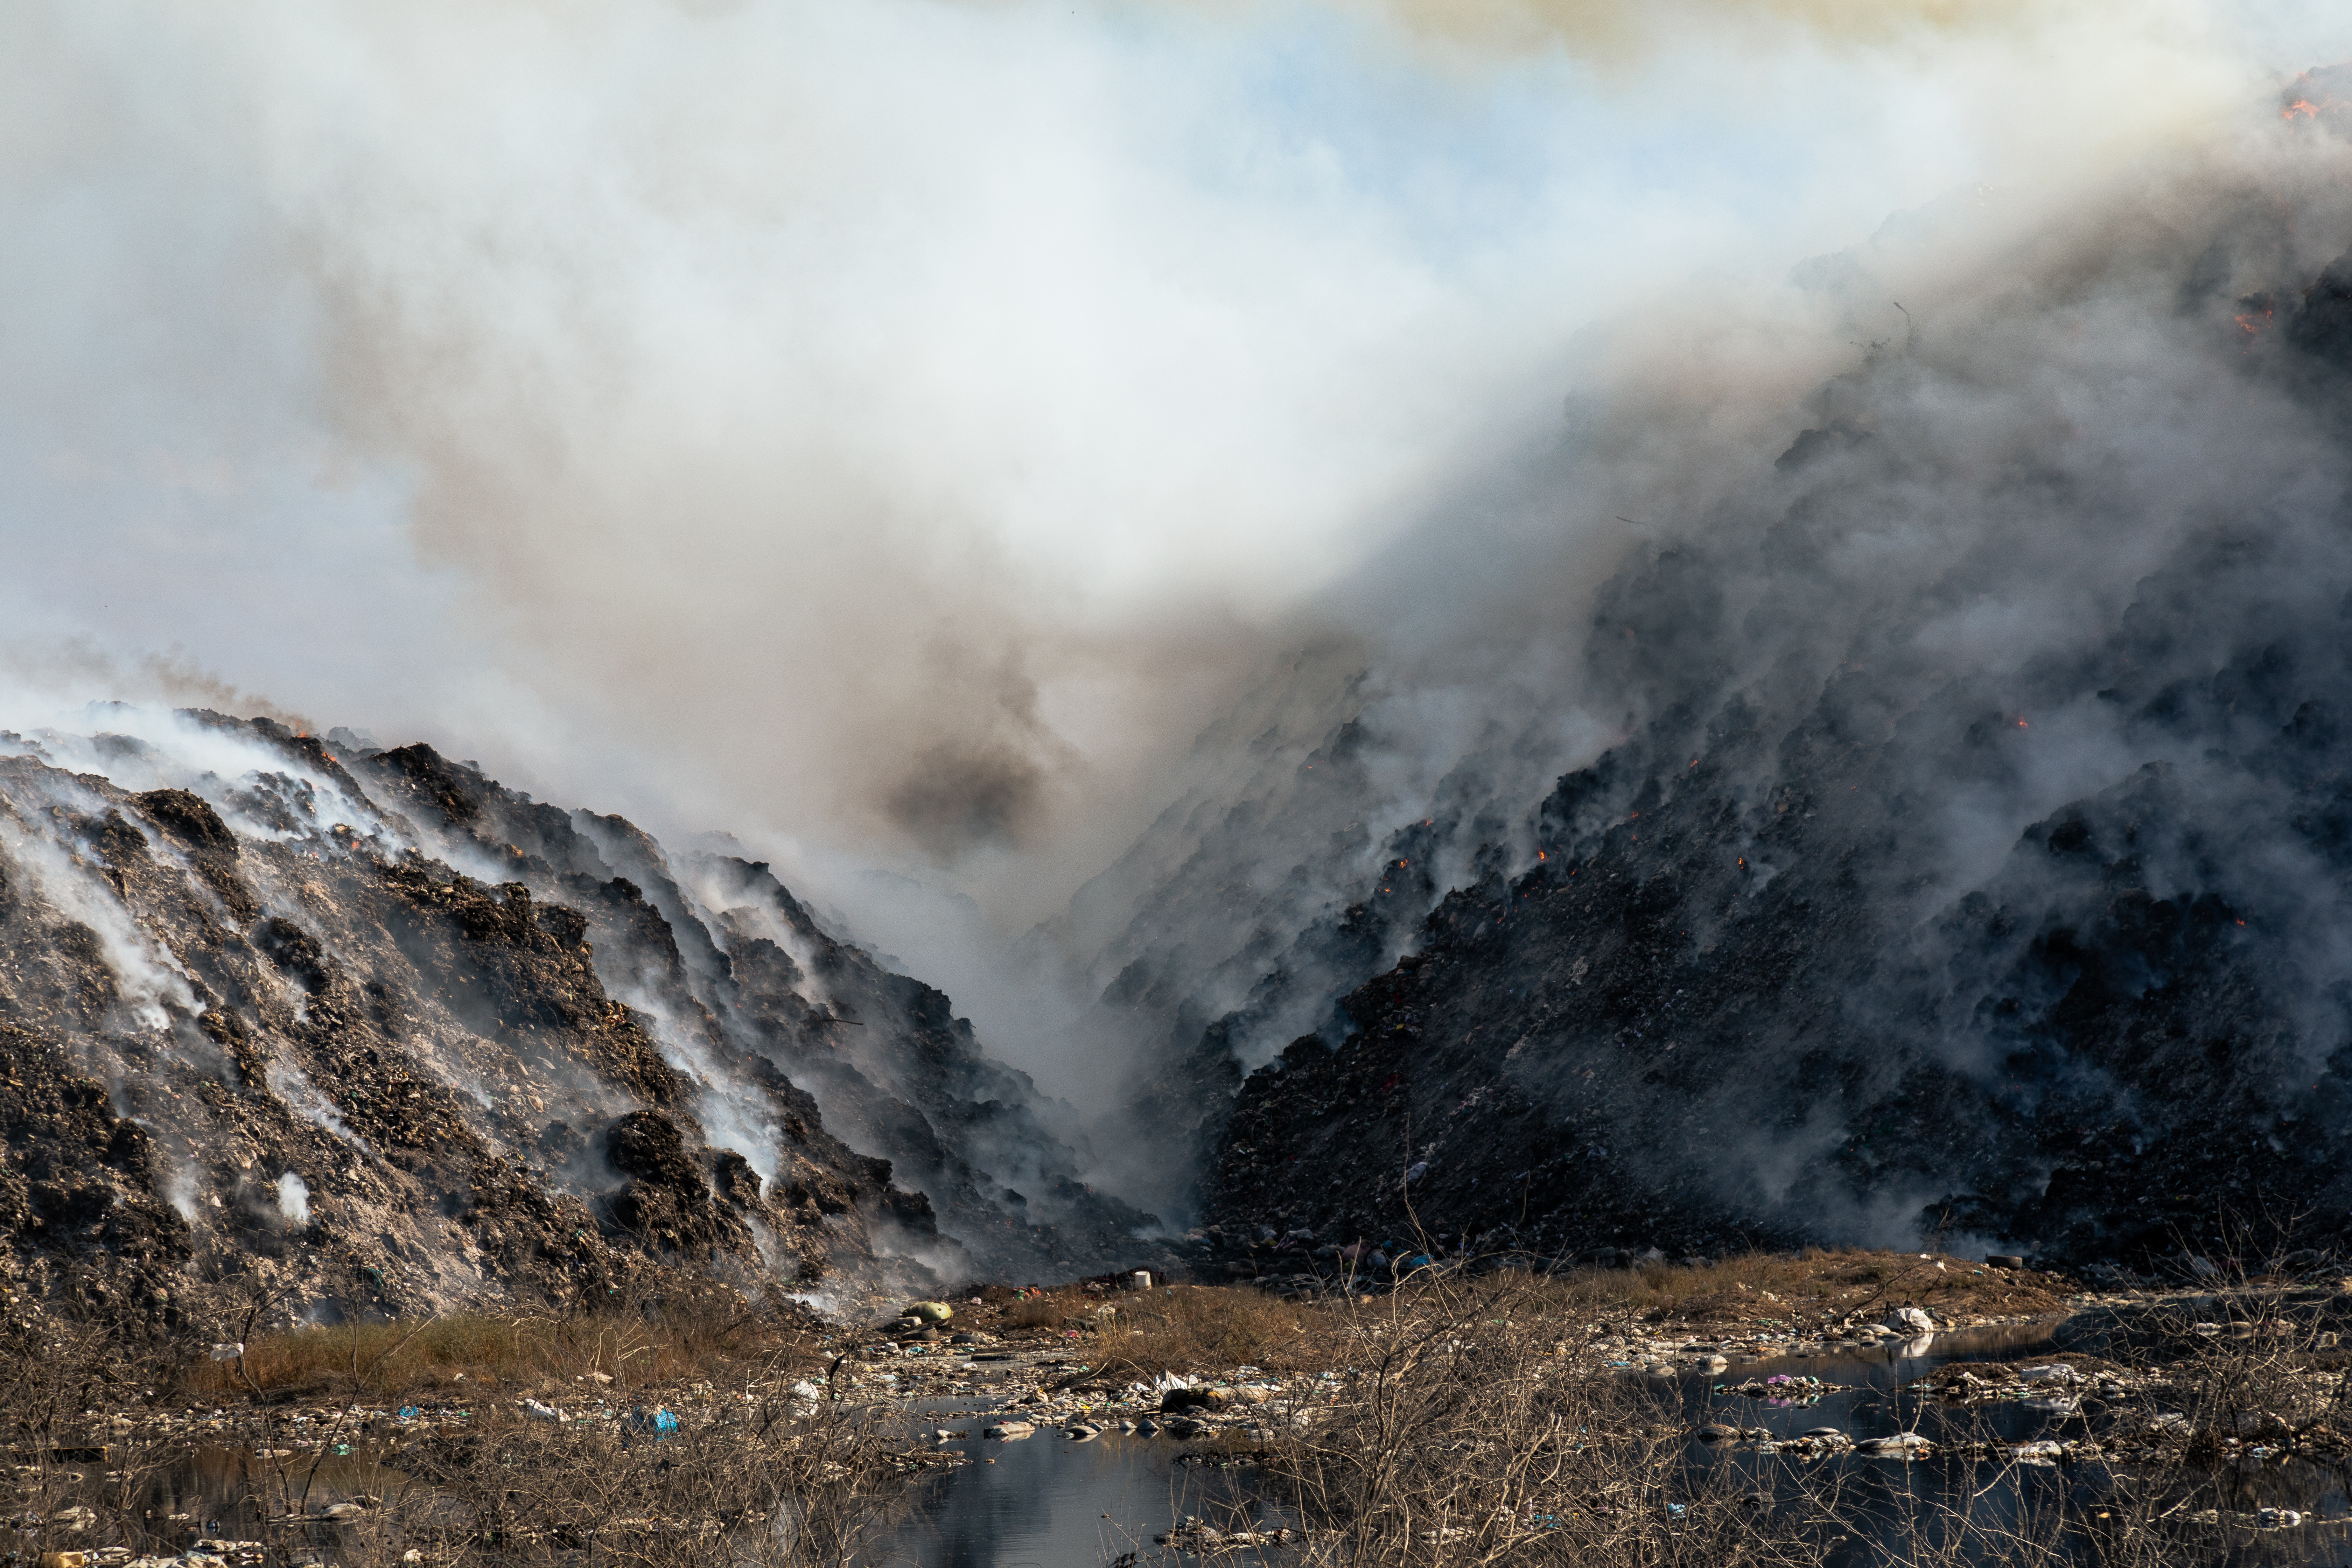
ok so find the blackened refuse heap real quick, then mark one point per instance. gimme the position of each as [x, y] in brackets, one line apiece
[1791, 959]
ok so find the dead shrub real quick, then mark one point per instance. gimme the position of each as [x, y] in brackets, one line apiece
[1047, 1310]
[1464, 1435]
[1184, 1329]
[764, 1481]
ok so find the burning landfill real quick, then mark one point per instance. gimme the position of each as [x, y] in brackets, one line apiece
[1933, 832]
[380, 1038]
[1961, 854]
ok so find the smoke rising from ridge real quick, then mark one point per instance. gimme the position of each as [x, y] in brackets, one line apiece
[894, 434]
[774, 380]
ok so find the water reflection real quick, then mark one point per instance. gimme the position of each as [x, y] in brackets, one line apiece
[1894, 1495]
[1047, 1502]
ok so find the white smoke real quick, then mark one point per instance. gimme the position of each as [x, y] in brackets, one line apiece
[180, 1191]
[1101, 336]
[293, 1199]
[290, 1083]
[148, 980]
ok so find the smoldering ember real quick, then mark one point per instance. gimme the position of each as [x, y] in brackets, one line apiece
[1895, 912]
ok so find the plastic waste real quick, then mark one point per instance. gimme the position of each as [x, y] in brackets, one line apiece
[656, 1423]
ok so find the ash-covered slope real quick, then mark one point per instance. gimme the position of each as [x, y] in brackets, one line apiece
[1972, 853]
[365, 1030]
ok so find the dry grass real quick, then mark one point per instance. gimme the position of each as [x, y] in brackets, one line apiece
[1048, 1311]
[1818, 1284]
[1462, 1427]
[1188, 1329]
[762, 1483]
[1467, 1431]
[1465, 1438]
[525, 1350]
[1180, 1328]
[1210, 1328]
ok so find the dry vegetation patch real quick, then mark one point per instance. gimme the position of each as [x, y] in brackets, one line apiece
[622, 1350]
[1819, 1283]
[1212, 1328]
[746, 1470]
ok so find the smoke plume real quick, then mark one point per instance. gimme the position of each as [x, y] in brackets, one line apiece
[989, 445]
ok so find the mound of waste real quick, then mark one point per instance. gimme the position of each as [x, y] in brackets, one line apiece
[360, 1031]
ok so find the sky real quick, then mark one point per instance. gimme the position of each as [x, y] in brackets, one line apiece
[889, 431]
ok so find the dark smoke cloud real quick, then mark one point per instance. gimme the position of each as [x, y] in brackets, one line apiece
[992, 786]
[958, 798]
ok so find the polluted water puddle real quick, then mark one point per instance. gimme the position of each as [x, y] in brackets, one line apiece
[1935, 1423]
[1047, 1501]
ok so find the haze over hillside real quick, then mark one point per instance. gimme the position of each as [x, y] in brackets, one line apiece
[1432, 558]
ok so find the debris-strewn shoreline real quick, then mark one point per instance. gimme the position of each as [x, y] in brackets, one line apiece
[472, 1439]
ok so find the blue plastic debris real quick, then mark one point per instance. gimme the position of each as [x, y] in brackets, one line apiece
[655, 1423]
[408, 1412]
